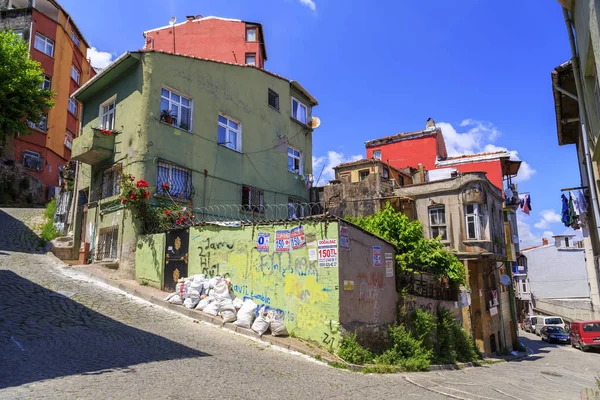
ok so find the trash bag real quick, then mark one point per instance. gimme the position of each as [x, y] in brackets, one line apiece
[221, 290]
[192, 299]
[176, 299]
[277, 327]
[261, 324]
[182, 287]
[212, 308]
[237, 303]
[225, 305]
[203, 303]
[169, 296]
[228, 316]
[245, 315]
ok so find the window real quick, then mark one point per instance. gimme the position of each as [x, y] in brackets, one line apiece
[230, 133]
[474, 222]
[41, 126]
[437, 222]
[18, 32]
[524, 282]
[299, 111]
[253, 199]
[180, 109]
[110, 181]
[47, 82]
[273, 99]
[377, 154]
[43, 44]
[75, 74]
[251, 34]
[294, 161]
[362, 175]
[74, 38]
[107, 114]
[32, 160]
[386, 173]
[251, 58]
[174, 180]
[108, 239]
[72, 106]
[68, 140]
[566, 242]
[295, 209]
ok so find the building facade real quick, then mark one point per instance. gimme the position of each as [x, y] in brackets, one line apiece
[223, 39]
[224, 144]
[58, 45]
[575, 87]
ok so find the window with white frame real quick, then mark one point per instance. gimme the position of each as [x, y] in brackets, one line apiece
[75, 74]
[294, 161]
[251, 58]
[251, 34]
[299, 111]
[474, 220]
[107, 114]
[230, 133]
[253, 199]
[68, 140]
[44, 44]
[377, 154]
[32, 160]
[176, 108]
[47, 83]
[174, 180]
[72, 106]
[40, 126]
[437, 222]
[74, 38]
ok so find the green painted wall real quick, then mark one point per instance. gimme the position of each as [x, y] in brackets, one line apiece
[150, 259]
[307, 294]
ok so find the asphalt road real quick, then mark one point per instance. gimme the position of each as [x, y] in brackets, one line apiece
[64, 336]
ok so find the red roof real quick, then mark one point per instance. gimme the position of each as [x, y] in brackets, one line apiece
[368, 161]
[476, 155]
[404, 135]
[531, 248]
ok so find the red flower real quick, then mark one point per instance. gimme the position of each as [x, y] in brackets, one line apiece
[168, 212]
[178, 221]
[133, 196]
[145, 194]
[141, 183]
[123, 201]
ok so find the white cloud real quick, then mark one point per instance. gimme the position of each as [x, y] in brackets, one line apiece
[99, 59]
[310, 4]
[478, 137]
[326, 163]
[548, 217]
[526, 237]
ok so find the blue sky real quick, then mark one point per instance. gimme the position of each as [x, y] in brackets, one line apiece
[481, 69]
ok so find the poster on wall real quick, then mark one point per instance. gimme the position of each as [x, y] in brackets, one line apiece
[348, 285]
[263, 242]
[344, 238]
[377, 256]
[282, 241]
[328, 256]
[297, 238]
[312, 251]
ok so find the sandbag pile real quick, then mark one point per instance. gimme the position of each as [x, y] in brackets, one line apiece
[215, 297]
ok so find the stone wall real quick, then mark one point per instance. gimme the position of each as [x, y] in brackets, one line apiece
[17, 187]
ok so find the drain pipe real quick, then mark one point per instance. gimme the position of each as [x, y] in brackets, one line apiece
[584, 117]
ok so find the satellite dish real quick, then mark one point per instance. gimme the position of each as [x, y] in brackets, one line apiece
[314, 122]
[508, 193]
[505, 279]
[172, 21]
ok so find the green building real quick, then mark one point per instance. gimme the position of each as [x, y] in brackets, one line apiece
[235, 135]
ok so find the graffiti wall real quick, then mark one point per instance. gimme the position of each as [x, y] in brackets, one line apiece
[290, 268]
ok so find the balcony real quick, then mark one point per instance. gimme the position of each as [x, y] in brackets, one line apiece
[93, 147]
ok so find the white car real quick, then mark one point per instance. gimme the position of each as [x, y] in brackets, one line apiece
[545, 321]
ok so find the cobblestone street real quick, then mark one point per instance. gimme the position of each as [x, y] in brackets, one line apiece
[65, 336]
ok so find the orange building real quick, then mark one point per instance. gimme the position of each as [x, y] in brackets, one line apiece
[58, 45]
[223, 39]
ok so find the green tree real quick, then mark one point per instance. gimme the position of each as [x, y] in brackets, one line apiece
[413, 251]
[22, 97]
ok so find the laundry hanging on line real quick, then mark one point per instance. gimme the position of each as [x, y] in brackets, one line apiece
[573, 210]
[525, 204]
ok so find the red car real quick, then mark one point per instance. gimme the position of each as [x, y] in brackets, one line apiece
[585, 334]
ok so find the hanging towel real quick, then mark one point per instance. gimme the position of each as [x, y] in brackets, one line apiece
[564, 215]
[572, 219]
[525, 207]
[573, 198]
[528, 202]
[582, 201]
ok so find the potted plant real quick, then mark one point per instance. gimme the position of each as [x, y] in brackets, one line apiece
[166, 116]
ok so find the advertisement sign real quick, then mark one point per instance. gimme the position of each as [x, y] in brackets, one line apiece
[282, 241]
[328, 256]
[297, 238]
[377, 256]
[344, 238]
[263, 242]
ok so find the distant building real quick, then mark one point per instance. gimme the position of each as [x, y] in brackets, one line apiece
[59, 46]
[222, 39]
[557, 278]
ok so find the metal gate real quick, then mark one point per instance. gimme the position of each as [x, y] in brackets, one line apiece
[176, 257]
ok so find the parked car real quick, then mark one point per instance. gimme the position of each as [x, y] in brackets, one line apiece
[545, 321]
[585, 335]
[527, 324]
[554, 333]
[533, 321]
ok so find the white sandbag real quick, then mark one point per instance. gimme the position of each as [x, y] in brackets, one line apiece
[228, 316]
[169, 296]
[245, 315]
[198, 278]
[237, 303]
[192, 299]
[182, 287]
[203, 303]
[225, 305]
[212, 308]
[277, 326]
[261, 324]
[221, 290]
[176, 299]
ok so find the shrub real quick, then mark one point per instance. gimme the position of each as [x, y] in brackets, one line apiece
[50, 208]
[49, 231]
[405, 350]
[351, 351]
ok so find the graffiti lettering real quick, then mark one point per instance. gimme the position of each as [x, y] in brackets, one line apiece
[328, 340]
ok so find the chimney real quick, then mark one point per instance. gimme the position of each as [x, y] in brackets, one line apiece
[198, 16]
[430, 124]
[421, 173]
[189, 17]
[544, 242]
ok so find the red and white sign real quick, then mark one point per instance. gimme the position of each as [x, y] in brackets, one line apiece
[328, 253]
